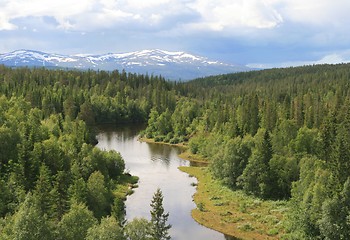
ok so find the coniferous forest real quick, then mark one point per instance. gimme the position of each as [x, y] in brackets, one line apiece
[280, 134]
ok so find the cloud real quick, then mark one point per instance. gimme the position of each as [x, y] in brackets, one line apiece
[78, 15]
[316, 12]
[247, 30]
[61, 10]
[88, 14]
[331, 58]
[227, 14]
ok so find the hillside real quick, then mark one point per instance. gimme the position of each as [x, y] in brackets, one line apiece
[171, 65]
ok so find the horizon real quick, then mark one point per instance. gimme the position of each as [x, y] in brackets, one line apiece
[257, 67]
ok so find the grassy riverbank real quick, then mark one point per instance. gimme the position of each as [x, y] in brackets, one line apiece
[151, 140]
[233, 212]
[125, 186]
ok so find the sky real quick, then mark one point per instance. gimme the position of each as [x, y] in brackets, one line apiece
[257, 33]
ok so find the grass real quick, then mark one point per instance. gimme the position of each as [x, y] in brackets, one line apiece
[125, 186]
[233, 212]
[193, 157]
[151, 140]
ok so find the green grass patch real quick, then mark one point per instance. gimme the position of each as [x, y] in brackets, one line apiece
[233, 212]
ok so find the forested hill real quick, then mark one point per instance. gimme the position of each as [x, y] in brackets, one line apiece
[275, 134]
[275, 74]
[279, 133]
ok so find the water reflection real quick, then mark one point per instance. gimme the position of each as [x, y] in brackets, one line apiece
[157, 166]
[160, 154]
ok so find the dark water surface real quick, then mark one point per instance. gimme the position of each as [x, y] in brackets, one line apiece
[157, 167]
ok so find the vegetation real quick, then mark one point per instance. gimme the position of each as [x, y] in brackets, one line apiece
[159, 218]
[54, 183]
[279, 134]
[233, 212]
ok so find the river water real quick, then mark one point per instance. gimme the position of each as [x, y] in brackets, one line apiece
[157, 167]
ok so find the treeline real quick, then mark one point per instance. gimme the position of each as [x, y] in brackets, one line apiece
[95, 97]
[276, 134]
[54, 183]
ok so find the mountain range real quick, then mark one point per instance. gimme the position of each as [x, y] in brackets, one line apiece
[171, 65]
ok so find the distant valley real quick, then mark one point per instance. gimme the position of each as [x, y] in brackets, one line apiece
[171, 65]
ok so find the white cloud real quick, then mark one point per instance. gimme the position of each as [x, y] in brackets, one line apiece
[5, 24]
[62, 10]
[256, 26]
[218, 15]
[83, 15]
[316, 12]
[331, 58]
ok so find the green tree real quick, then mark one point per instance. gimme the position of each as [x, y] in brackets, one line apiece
[59, 195]
[314, 187]
[108, 229]
[87, 114]
[138, 229]
[234, 160]
[283, 172]
[75, 223]
[152, 123]
[335, 222]
[159, 219]
[78, 191]
[29, 223]
[43, 188]
[98, 195]
[306, 142]
[256, 177]
[118, 209]
[70, 108]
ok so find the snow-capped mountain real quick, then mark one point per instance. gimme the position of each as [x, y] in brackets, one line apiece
[171, 65]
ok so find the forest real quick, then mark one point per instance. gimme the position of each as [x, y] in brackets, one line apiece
[54, 183]
[275, 134]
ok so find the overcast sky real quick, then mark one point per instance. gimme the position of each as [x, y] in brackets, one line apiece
[254, 32]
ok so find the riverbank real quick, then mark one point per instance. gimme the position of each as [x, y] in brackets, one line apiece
[233, 212]
[187, 155]
[151, 140]
[125, 186]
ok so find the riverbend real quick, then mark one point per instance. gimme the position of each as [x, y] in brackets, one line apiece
[156, 166]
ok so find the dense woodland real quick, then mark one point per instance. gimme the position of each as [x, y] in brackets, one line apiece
[54, 183]
[276, 134]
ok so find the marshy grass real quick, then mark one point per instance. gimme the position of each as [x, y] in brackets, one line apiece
[234, 212]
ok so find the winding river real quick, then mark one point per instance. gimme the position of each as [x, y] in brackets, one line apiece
[157, 167]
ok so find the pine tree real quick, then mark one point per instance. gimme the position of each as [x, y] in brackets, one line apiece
[159, 218]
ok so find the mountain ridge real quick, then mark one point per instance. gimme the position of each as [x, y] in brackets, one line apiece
[177, 65]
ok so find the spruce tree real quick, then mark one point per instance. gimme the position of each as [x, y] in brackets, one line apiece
[159, 218]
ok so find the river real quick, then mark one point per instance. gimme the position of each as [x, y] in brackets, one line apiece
[157, 167]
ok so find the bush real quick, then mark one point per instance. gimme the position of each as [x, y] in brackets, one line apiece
[174, 140]
[159, 138]
[247, 227]
[149, 135]
[273, 232]
[201, 207]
